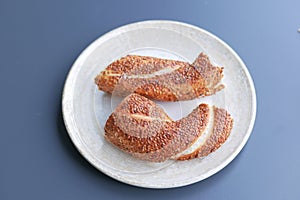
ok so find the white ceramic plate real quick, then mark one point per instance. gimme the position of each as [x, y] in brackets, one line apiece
[85, 109]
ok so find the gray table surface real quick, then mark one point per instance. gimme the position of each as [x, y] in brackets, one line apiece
[40, 40]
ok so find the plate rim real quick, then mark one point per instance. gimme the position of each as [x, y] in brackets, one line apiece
[90, 47]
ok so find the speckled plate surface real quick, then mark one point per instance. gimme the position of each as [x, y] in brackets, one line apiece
[85, 109]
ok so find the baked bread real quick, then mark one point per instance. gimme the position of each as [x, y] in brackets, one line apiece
[217, 131]
[141, 128]
[161, 79]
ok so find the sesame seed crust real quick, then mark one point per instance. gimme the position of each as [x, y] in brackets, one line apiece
[223, 123]
[153, 140]
[181, 80]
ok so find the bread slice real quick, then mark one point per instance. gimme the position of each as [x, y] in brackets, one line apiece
[161, 79]
[216, 133]
[141, 128]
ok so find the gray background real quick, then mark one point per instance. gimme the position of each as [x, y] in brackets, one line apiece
[40, 40]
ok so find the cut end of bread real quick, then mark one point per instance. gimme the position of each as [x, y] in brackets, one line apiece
[215, 134]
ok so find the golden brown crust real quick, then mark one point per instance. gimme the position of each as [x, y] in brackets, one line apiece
[139, 127]
[134, 144]
[223, 123]
[161, 79]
